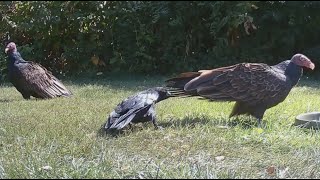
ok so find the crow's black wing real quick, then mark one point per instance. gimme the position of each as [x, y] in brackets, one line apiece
[127, 110]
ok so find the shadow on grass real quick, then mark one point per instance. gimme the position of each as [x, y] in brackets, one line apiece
[186, 122]
[245, 122]
[7, 100]
[113, 133]
[18, 99]
[191, 122]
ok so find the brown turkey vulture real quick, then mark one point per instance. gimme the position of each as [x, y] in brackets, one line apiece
[31, 79]
[255, 87]
[137, 108]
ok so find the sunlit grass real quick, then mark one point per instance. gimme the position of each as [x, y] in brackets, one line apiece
[63, 134]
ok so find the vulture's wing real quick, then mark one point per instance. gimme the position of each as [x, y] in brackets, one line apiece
[40, 81]
[246, 82]
[127, 110]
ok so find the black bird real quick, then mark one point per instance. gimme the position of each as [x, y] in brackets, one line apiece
[255, 87]
[137, 108]
[31, 79]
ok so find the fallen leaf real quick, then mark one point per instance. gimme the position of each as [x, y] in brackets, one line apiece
[220, 158]
[271, 170]
[95, 60]
[223, 127]
[254, 6]
[45, 168]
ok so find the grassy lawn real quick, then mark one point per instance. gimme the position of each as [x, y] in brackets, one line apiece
[59, 138]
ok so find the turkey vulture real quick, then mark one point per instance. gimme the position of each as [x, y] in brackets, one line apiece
[255, 87]
[137, 108]
[31, 79]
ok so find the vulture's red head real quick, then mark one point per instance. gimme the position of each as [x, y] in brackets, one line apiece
[11, 47]
[303, 61]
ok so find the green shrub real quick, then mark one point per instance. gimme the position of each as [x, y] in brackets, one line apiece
[72, 37]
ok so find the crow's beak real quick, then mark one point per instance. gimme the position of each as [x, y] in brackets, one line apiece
[6, 50]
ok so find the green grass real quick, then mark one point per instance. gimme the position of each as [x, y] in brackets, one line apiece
[63, 133]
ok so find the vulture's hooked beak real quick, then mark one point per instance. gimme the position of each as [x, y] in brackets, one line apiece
[312, 66]
[6, 50]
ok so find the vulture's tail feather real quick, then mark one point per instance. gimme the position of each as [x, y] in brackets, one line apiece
[177, 84]
[61, 89]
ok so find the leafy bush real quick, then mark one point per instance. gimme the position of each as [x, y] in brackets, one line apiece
[72, 37]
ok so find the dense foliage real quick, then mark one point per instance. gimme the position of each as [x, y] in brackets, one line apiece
[71, 37]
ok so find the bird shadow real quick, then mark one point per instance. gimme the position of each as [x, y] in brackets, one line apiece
[189, 122]
[113, 133]
[6, 100]
[9, 100]
[192, 122]
[101, 132]
[186, 122]
[243, 122]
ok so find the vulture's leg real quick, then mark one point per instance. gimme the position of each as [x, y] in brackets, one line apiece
[259, 115]
[259, 123]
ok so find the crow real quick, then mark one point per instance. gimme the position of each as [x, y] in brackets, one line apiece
[137, 108]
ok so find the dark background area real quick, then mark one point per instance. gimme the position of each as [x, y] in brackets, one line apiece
[73, 38]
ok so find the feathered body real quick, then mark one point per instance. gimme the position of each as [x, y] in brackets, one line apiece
[137, 108]
[31, 79]
[255, 87]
